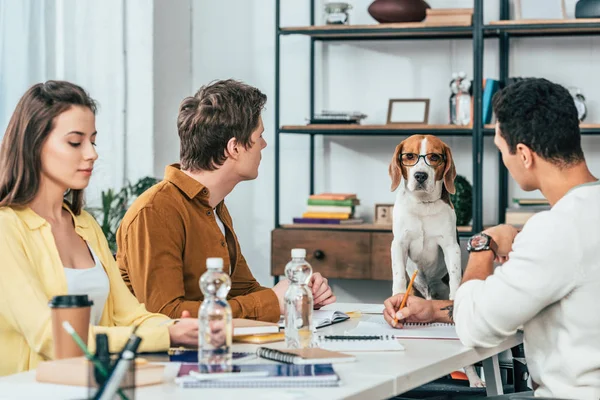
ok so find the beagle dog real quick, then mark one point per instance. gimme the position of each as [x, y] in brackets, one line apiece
[424, 222]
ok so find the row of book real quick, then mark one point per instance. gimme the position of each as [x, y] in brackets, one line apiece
[330, 208]
[523, 209]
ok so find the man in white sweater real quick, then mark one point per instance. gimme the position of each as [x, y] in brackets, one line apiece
[549, 279]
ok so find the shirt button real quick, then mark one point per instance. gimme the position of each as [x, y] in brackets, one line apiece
[208, 213]
[223, 244]
[204, 191]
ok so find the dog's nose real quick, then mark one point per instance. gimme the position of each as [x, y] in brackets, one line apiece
[421, 176]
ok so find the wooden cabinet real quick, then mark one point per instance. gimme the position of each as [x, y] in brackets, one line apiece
[345, 254]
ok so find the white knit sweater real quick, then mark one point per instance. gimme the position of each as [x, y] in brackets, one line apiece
[550, 288]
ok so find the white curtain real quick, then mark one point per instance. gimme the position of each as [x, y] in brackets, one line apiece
[79, 41]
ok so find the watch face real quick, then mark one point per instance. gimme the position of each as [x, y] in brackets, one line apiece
[478, 242]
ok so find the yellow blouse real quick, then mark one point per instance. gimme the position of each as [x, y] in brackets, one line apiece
[31, 273]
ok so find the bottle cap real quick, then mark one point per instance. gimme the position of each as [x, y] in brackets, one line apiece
[298, 253]
[214, 263]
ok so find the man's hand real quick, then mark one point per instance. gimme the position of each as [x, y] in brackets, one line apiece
[416, 310]
[184, 332]
[504, 236]
[280, 290]
[322, 293]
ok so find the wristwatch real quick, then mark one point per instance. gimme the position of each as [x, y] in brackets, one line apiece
[482, 242]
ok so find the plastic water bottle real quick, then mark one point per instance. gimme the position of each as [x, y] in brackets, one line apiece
[214, 320]
[298, 302]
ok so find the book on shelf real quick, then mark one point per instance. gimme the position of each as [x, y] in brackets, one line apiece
[518, 216]
[449, 16]
[328, 221]
[530, 202]
[243, 327]
[326, 215]
[260, 376]
[330, 209]
[327, 202]
[333, 196]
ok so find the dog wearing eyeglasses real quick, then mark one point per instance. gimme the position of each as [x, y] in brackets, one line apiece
[424, 222]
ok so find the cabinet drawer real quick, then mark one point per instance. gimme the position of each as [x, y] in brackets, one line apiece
[381, 258]
[335, 255]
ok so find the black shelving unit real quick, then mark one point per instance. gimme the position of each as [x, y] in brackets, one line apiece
[501, 30]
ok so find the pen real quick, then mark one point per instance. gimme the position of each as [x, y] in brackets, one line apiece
[362, 337]
[71, 331]
[405, 298]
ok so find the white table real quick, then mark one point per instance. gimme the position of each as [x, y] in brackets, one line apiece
[373, 375]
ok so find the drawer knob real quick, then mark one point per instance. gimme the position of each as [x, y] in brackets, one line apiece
[319, 255]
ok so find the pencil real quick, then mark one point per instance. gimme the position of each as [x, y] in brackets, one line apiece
[405, 298]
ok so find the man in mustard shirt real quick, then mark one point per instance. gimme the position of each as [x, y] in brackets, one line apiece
[170, 230]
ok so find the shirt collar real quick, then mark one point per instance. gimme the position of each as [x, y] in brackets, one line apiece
[34, 221]
[186, 184]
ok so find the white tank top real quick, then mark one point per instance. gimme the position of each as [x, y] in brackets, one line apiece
[91, 281]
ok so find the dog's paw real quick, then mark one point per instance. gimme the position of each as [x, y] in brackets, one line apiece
[474, 379]
[478, 383]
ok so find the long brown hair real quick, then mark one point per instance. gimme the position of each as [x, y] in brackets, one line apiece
[28, 129]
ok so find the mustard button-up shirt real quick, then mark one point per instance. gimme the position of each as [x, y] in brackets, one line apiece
[31, 273]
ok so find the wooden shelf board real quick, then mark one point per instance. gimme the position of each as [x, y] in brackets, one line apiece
[357, 127]
[381, 30]
[356, 227]
[540, 27]
[558, 22]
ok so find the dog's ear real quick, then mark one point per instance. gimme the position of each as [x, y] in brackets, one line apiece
[395, 169]
[449, 171]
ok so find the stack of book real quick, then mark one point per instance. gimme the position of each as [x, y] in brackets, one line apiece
[523, 209]
[449, 16]
[330, 208]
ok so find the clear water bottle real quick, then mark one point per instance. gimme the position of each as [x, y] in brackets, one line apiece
[214, 319]
[298, 302]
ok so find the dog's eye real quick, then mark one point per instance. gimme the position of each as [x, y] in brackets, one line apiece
[434, 157]
[409, 156]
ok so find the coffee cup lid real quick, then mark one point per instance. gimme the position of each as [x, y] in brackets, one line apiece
[70, 301]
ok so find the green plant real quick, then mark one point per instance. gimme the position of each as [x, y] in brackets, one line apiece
[114, 205]
[462, 200]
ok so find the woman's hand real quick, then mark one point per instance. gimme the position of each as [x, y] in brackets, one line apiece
[184, 332]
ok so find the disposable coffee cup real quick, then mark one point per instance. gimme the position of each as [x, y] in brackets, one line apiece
[73, 308]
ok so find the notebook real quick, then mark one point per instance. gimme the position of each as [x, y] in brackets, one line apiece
[277, 376]
[242, 327]
[323, 318]
[260, 339]
[377, 325]
[358, 343]
[304, 356]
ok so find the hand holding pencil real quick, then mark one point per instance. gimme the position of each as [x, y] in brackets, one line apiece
[403, 308]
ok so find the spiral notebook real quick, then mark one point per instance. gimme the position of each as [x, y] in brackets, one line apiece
[275, 376]
[311, 355]
[358, 343]
[377, 325]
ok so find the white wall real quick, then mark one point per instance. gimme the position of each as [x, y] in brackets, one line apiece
[360, 76]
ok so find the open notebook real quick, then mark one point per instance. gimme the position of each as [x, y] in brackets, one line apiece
[377, 325]
[322, 318]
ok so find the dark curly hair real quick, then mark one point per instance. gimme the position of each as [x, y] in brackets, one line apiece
[541, 115]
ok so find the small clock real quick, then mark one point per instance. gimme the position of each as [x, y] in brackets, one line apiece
[579, 100]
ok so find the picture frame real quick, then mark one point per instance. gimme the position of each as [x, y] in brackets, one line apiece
[540, 9]
[408, 111]
[384, 214]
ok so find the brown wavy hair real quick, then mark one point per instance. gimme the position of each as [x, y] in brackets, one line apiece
[27, 131]
[218, 112]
